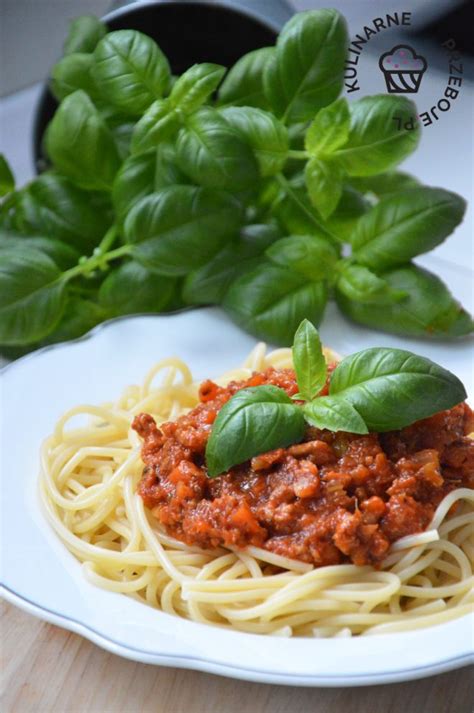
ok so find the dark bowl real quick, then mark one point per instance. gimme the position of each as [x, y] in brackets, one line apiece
[187, 32]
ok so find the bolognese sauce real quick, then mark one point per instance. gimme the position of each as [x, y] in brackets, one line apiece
[332, 498]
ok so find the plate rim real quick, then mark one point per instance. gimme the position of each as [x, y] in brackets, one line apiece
[199, 663]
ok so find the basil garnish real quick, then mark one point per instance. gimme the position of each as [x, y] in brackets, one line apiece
[253, 421]
[309, 361]
[392, 388]
[376, 389]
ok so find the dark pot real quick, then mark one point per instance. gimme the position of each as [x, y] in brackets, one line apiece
[187, 31]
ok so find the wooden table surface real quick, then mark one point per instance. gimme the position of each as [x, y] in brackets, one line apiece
[49, 670]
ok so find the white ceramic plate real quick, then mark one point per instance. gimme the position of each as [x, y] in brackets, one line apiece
[41, 576]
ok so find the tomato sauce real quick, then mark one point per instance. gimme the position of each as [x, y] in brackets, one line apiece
[333, 498]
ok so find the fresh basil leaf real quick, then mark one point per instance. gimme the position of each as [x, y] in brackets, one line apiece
[312, 257]
[253, 421]
[243, 84]
[351, 206]
[296, 215]
[307, 70]
[405, 225]
[159, 123]
[385, 184]
[334, 414]
[7, 180]
[62, 254]
[263, 132]
[359, 283]
[324, 184]
[209, 283]
[132, 288]
[131, 70]
[270, 302]
[143, 174]
[167, 171]
[180, 228]
[84, 34]
[51, 205]
[392, 388]
[79, 317]
[31, 295]
[329, 130]
[134, 181]
[309, 362]
[80, 144]
[195, 86]
[429, 310]
[380, 136]
[71, 73]
[258, 237]
[213, 155]
[122, 133]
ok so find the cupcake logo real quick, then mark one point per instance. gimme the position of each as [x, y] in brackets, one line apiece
[403, 70]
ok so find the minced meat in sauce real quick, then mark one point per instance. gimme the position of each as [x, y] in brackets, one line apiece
[333, 498]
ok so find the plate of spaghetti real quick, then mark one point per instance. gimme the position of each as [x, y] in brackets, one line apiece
[177, 493]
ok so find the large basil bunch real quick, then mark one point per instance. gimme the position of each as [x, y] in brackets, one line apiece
[243, 188]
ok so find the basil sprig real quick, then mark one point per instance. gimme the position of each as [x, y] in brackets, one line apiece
[261, 414]
[259, 189]
[376, 389]
[309, 361]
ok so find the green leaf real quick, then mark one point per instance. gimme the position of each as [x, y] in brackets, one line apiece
[309, 362]
[350, 207]
[312, 257]
[358, 283]
[270, 302]
[429, 310]
[385, 184]
[134, 181]
[296, 214]
[7, 180]
[307, 70]
[53, 206]
[131, 70]
[243, 84]
[334, 414]
[392, 388]
[167, 171]
[71, 73]
[132, 288]
[263, 132]
[324, 183]
[209, 283]
[159, 123]
[62, 254]
[80, 144]
[213, 155]
[195, 86]
[84, 34]
[180, 228]
[329, 130]
[253, 421]
[79, 317]
[405, 225]
[143, 174]
[122, 133]
[31, 295]
[379, 138]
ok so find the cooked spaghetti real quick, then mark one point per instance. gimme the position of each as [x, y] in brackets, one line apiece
[90, 480]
